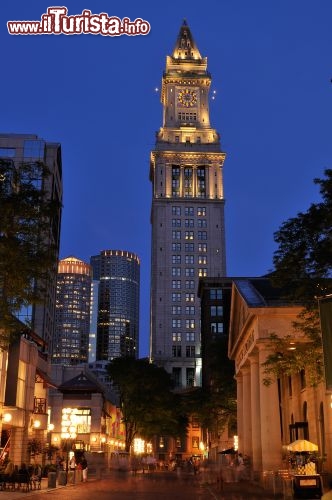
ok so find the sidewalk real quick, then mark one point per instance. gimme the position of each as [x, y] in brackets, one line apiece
[19, 494]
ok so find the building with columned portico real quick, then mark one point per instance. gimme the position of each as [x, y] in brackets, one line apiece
[272, 416]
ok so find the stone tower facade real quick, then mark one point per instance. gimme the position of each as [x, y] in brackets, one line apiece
[187, 216]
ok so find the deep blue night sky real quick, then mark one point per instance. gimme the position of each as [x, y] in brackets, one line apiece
[271, 66]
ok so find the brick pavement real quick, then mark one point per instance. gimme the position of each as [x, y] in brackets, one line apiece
[247, 488]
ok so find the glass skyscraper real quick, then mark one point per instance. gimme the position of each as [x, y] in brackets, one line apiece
[118, 273]
[71, 340]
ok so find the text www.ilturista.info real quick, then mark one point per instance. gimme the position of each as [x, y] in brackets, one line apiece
[57, 22]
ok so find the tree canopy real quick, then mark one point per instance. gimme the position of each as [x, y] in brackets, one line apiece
[26, 253]
[303, 260]
[148, 404]
[303, 269]
[217, 408]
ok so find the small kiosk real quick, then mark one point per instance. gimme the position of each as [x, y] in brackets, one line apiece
[306, 483]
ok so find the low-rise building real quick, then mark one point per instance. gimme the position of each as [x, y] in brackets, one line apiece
[271, 416]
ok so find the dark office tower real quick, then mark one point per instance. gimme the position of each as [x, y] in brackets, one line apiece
[30, 150]
[71, 340]
[187, 217]
[118, 272]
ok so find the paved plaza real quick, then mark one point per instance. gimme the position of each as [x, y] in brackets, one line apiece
[149, 486]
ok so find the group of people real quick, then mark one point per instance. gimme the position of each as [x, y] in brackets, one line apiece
[80, 464]
[31, 474]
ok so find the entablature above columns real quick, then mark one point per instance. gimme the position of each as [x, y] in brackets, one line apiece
[188, 157]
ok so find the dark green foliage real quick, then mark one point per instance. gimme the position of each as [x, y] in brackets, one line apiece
[215, 406]
[149, 406]
[303, 268]
[26, 254]
[303, 260]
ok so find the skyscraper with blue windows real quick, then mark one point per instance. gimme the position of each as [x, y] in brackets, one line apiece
[73, 300]
[118, 273]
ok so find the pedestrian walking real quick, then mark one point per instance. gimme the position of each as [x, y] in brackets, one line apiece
[84, 464]
[72, 463]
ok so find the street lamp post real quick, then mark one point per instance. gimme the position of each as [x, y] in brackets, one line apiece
[69, 432]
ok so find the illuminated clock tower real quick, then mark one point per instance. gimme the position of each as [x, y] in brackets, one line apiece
[187, 216]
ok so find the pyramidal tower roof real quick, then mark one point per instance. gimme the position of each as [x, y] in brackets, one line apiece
[185, 47]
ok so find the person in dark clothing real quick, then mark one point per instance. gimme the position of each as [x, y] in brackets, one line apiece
[84, 464]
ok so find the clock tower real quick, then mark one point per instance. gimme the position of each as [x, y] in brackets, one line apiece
[187, 216]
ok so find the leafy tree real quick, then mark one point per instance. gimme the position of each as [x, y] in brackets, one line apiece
[26, 253]
[215, 405]
[149, 406]
[303, 267]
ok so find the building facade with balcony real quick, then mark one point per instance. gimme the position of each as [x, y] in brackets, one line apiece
[24, 364]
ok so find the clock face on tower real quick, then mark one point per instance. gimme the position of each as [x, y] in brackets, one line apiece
[187, 98]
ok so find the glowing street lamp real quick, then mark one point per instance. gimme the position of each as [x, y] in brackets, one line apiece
[68, 431]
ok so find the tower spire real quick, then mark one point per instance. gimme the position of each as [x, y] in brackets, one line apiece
[185, 47]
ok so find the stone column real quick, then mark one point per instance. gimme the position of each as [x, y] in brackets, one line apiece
[239, 390]
[247, 427]
[194, 180]
[255, 413]
[270, 420]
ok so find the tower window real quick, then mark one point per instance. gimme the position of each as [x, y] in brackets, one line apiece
[201, 223]
[217, 328]
[189, 211]
[216, 310]
[187, 117]
[176, 351]
[190, 351]
[189, 247]
[189, 223]
[202, 235]
[176, 222]
[189, 259]
[215, 293]
[176, 336]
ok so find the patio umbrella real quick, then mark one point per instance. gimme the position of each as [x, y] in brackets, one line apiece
[302, 445]
[229, 451]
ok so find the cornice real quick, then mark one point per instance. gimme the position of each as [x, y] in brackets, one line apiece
[188, 156]
[180, 80]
